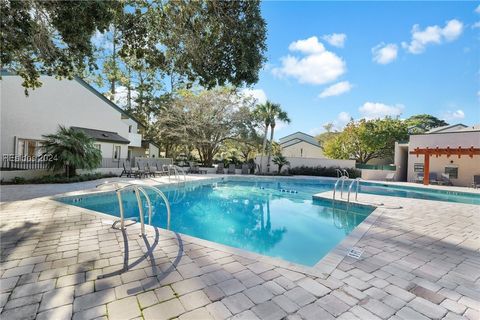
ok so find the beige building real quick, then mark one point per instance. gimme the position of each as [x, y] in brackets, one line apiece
[460, 169]
[70, 103]
[301, 145]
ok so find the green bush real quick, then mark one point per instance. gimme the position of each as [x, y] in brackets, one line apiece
[322, 171]
[60, 178]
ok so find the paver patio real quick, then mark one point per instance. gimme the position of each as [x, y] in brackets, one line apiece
[421, 260]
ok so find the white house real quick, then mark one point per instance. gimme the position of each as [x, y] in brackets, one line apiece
[458, 154]
[301, 145]
[70, 103]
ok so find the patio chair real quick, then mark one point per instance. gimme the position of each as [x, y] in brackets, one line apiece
[220, 168]
[150, 170]
[127, 170]
[193, 168]
[231, 168]
[390, 176]
[445, 180]
[163, 171]
[433, 178]
[476, 181]
[245, 168]
[141, 172]
[419, 178]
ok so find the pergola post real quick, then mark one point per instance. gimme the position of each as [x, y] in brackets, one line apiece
[426, 169]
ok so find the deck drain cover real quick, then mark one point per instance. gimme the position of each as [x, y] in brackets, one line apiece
[355, 253]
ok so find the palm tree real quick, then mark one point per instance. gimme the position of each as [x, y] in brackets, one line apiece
[280, 161]
[276, 114]
[262, 113]
[71, 149]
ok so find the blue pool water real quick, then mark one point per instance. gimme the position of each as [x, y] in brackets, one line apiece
[252, 215]
[271, 216]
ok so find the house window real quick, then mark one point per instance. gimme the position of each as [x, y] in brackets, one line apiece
[129, 154]
[98, 146]
[116, 152]
[301, 152]
[418, 167]
[30, 148]
[130, 128]
[452, 172]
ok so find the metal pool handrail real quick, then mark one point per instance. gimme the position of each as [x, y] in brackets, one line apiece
[357, 180]
[176, 169]
[341, 179]
[137, 188]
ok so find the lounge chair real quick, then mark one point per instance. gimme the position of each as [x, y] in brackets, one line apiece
[445, 180]
[390, 176]
[231, 168]
[150, 170]
[163, 171]
[476, 181]
[220, 168]
[141, 172]
[245, 168]
[433, 178]
[419, 178]
[193, 168]
[127, 170]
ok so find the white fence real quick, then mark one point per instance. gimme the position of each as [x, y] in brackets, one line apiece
[296, 162]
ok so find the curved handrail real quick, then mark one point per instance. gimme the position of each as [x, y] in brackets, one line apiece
[341, 179]
[140, 189]
[339, 173]
[357, 180]
[345, 173]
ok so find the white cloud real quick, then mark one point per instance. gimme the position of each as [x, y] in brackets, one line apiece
[477, 9]
[453, 115]
[433, 35]
[336, 89]
[102, 41]
[308, 46]
[385, 53]
[375, 110]
[335, 39]
[476, 25]
[258, 94]
[319, 66]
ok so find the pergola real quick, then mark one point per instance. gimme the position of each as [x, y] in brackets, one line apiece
[427, 152]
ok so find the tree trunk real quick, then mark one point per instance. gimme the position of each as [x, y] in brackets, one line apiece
[114, 60]
[264, 146]
[70, 171]
[270, 147]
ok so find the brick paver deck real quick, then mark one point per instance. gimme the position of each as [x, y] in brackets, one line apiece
[421, 260]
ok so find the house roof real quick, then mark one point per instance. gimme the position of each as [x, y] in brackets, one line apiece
[101, 135]
[447, 128]
[297, 137]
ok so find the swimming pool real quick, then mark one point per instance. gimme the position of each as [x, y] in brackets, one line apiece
[272, 216]
[277, 218]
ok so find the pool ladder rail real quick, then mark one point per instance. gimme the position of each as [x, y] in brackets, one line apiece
[341, 180]
[138, 189]
[176, 170]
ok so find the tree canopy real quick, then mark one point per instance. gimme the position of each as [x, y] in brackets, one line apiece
[205, 120]
[421, 123]
[206, 42]
[365, 140]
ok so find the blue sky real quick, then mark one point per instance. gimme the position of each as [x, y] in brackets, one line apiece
[387, 58]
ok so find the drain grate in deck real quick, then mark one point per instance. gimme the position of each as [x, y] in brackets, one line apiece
[355, 253]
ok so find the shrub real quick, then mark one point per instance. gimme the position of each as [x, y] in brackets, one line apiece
[60, 178]
[322, 171]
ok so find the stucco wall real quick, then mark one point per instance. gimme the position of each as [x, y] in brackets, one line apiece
[304, 150]
[57, 102]
[467, 167]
